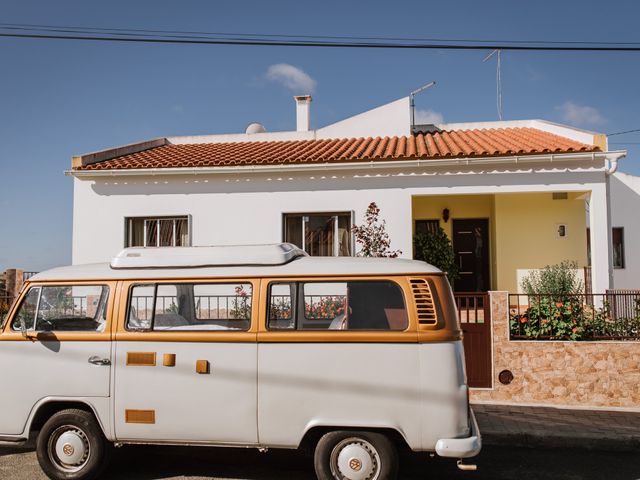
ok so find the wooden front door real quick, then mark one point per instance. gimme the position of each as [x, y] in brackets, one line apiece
[471, 248]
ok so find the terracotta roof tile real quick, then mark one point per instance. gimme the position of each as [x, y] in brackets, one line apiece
[444, 144]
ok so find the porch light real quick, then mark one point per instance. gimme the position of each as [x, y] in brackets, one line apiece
[445, 215]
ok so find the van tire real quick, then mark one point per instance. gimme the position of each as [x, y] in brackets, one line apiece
[372, 451]
[77, 434]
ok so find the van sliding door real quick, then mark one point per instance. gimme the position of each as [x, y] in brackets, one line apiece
[186, 363]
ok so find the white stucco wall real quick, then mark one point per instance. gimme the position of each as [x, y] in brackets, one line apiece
[625, 212]
[242, 209]
[391, 119]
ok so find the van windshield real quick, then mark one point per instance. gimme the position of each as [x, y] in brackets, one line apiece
[63, 308]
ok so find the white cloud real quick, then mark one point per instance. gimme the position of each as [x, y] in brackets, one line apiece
[294, 78]
[428, 117]
[580, 114]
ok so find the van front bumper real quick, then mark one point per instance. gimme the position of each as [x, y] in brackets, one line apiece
[462, 447]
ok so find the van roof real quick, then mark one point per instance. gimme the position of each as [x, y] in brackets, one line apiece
[300, 266]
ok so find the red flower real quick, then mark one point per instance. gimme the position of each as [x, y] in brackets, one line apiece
[574, 329]
[524, 320]
[559, 305]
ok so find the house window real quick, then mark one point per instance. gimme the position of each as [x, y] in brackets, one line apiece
[158, 232]
[426, 226]
[320, 234]
[617, 238]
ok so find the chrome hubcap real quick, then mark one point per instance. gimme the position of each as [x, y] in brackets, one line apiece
[69, 448]
[355, 459]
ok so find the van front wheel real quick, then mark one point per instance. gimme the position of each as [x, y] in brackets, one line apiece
[345, 455]
[71, 446]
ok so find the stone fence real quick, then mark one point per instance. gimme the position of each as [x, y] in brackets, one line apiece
[602, 374]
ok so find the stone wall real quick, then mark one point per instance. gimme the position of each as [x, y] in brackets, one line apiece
[13, 281]
[560, 373]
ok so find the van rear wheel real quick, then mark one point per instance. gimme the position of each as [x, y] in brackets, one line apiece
[71, 446]
[352, 455]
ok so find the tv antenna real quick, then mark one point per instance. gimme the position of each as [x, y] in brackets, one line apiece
[498, 80]
[412, 97]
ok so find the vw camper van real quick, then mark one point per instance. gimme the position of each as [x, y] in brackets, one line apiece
[256, 346]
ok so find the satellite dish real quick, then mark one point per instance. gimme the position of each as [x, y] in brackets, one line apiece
[255, 127]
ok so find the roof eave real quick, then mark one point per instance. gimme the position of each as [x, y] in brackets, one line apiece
[111, 153]
[374, 164]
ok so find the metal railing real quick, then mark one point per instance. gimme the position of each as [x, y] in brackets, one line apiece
[208, 307]
[614, 315]
[27, 275]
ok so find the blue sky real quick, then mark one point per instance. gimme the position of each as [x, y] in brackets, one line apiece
[60, 98]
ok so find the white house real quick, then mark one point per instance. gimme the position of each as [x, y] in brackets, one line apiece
[512, 195]
[625, 222]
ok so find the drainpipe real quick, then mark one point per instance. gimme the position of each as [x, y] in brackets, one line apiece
[612, 162]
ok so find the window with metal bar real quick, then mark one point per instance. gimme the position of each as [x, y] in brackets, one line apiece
[426, 226]
[158, 232]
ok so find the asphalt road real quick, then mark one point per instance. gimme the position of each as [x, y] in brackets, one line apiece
[494, 463]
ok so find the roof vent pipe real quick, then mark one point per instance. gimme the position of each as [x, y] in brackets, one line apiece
[303, 114]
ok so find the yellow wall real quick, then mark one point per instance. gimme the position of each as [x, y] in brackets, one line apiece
[526, 233]
[522, 229]
[460, 207]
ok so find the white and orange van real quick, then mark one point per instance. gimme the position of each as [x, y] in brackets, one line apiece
[258, 346]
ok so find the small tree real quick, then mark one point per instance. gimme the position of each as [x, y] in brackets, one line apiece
[372, 236]
[436, 248]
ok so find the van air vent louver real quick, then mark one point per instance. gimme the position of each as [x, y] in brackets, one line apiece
[426, 309]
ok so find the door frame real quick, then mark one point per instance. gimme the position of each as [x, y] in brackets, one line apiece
[488, 278]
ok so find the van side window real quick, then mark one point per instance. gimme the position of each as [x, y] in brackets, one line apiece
[190, 307]
[26, 315]
[65, 308]
[325, 306]
[281, 301]
[352, 305]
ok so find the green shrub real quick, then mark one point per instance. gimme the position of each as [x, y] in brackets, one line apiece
[436, 248]
[550, 319]
[559, 281]
[571, 319]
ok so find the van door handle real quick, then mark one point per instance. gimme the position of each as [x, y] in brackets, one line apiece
[99, 361]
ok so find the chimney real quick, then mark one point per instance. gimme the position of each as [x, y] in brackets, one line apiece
[303, 105]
